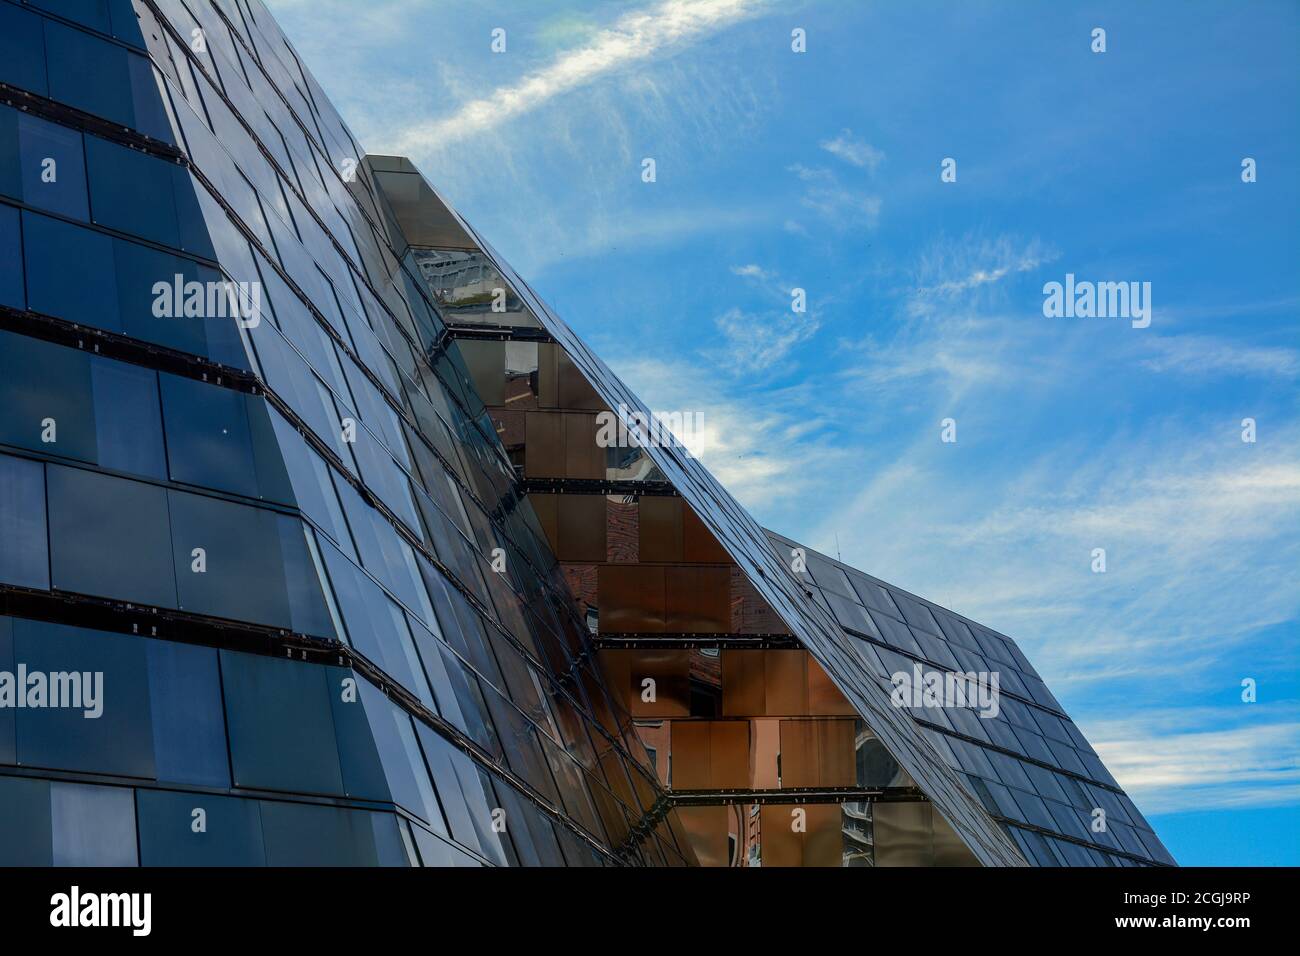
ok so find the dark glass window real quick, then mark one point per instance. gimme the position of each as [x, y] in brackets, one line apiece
[22, 49]
[128, 421]
[51, 247]
[45, 394]
[306, 835]
[124, 89]
[280, 725]
[96, 717]
[52, 166]
[254, 565]
[377, 747]
[11, 259]
[189, 729]
[24, 558]
[25, 837]
[208, 441]
[109, 537]
[230, 833]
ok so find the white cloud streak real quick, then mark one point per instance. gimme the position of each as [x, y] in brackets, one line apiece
[634, 38]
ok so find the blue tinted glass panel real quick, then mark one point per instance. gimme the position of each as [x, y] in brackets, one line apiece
[53, 249]
[227, 832]
[189, 728]
[89, 13]
[53, 166]
[208, 440]
[109, 537]
[240, 572]
[128, 420]
[22, 49]
[96, 690]
[8, 749]
[281, 729]
[45, 397]
[11, 259]
[25, 556]
[305, 835]
[25, 838]
[92, 826]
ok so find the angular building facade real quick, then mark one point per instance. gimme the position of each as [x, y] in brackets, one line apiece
[315, 547]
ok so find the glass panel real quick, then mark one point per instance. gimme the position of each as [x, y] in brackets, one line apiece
[92, 826]
[280, 725]
[109, 537]
[95, 687]
[231, 834]
[189, 728]
[25, 557]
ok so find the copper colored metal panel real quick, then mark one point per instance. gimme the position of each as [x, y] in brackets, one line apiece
[708, 828]
[573, 390]
[631, 599]
[823, 843]
[547, 386]
[698, 543]
[583, 458]
[581, 520]
[691, 768]
[669, 669]
[729, 754]
[781, 845]
[743, 684]
[836, 756]
[660, 528]
[787, 683]
[750, 614]
[698, 600]
[544, 445]
[799, 759]
[824, 698]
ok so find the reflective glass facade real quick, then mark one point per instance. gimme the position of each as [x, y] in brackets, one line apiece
[305, 486]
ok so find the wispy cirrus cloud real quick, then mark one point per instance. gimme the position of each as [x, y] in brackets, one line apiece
[651, 32]
[854, 151]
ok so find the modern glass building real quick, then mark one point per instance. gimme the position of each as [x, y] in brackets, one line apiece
[317, 545]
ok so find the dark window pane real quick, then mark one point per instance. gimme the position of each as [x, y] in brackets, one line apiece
[22, 49]
[109, 537]
[128, 422]
[189, 729]
[25, 838]
[53, 166]
[51, 247]
[11, 258]
[96, 716]
[231, 834]
[45, 394]
[305, 835]
[240, 572]
[25, 556]
[281, 730]
[208, 441]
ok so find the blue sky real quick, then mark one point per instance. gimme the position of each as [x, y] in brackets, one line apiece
[821, 170]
